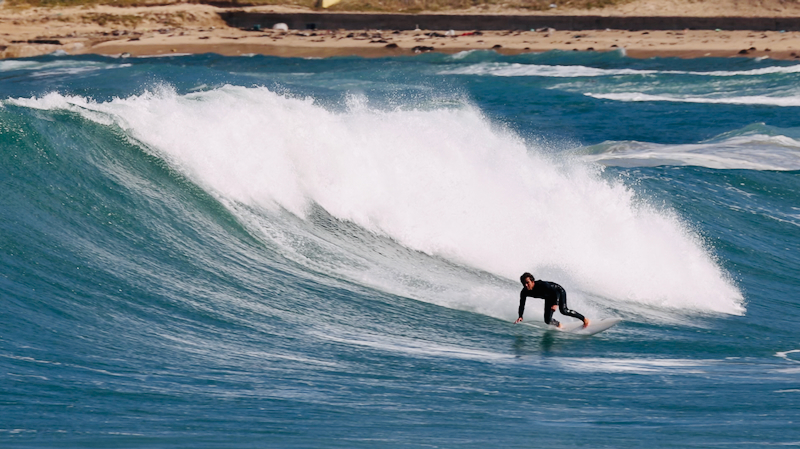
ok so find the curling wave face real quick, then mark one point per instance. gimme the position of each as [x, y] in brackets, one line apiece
[460, 193]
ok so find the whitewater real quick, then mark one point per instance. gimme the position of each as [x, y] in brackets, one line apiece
[262, 252]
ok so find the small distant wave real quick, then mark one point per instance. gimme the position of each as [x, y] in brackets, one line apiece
[38, 69]
[13, 65]
[462, 54]
[7, 66]
[746, 100]
[553, 71]
[578, 71]
[744, 152]
[754, 72]
[785, 355]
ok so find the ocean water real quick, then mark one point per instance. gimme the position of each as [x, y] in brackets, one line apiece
[256, 252]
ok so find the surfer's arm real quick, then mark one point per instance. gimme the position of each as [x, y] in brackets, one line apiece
[522, 299]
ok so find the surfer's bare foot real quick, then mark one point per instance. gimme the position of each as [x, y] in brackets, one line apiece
[560, 326]
[586, 322]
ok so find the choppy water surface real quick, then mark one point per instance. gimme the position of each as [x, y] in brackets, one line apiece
[200, 251]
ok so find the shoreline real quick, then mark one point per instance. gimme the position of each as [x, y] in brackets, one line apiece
[375, 43]
[197, 29]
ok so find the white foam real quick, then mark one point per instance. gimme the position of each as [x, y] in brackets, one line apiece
[10, 65]
[753, 72]
[56, 67]
[785, 355]
[554, 71]
[461, 54]
[575, 71]
[785, 101]
[446, 182]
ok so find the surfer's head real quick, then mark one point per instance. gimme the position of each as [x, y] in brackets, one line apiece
[527, 280]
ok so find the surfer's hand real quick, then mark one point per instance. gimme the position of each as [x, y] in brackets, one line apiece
[555, 307]
[518, 320]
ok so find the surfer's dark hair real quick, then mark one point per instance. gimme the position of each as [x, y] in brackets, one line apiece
[526, 275]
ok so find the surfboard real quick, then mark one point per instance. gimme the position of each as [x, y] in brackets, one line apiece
[576, 327]
[595, 326]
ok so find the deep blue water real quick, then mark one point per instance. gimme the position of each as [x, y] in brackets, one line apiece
[211, 252]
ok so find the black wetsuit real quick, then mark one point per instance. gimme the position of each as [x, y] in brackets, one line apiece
[552, 294]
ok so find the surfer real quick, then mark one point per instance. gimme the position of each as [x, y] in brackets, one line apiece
[555, 298]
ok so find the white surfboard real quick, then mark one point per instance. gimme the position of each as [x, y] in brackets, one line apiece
[595, 326]
[576, 327]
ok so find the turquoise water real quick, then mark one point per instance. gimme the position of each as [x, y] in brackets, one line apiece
[210, 252]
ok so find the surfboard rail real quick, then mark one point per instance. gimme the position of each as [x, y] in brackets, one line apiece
[576, 327]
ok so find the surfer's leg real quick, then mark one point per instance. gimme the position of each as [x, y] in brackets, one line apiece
[548, 314]
[562, 307]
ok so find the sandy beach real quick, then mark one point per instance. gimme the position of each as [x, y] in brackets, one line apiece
[192, 28]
